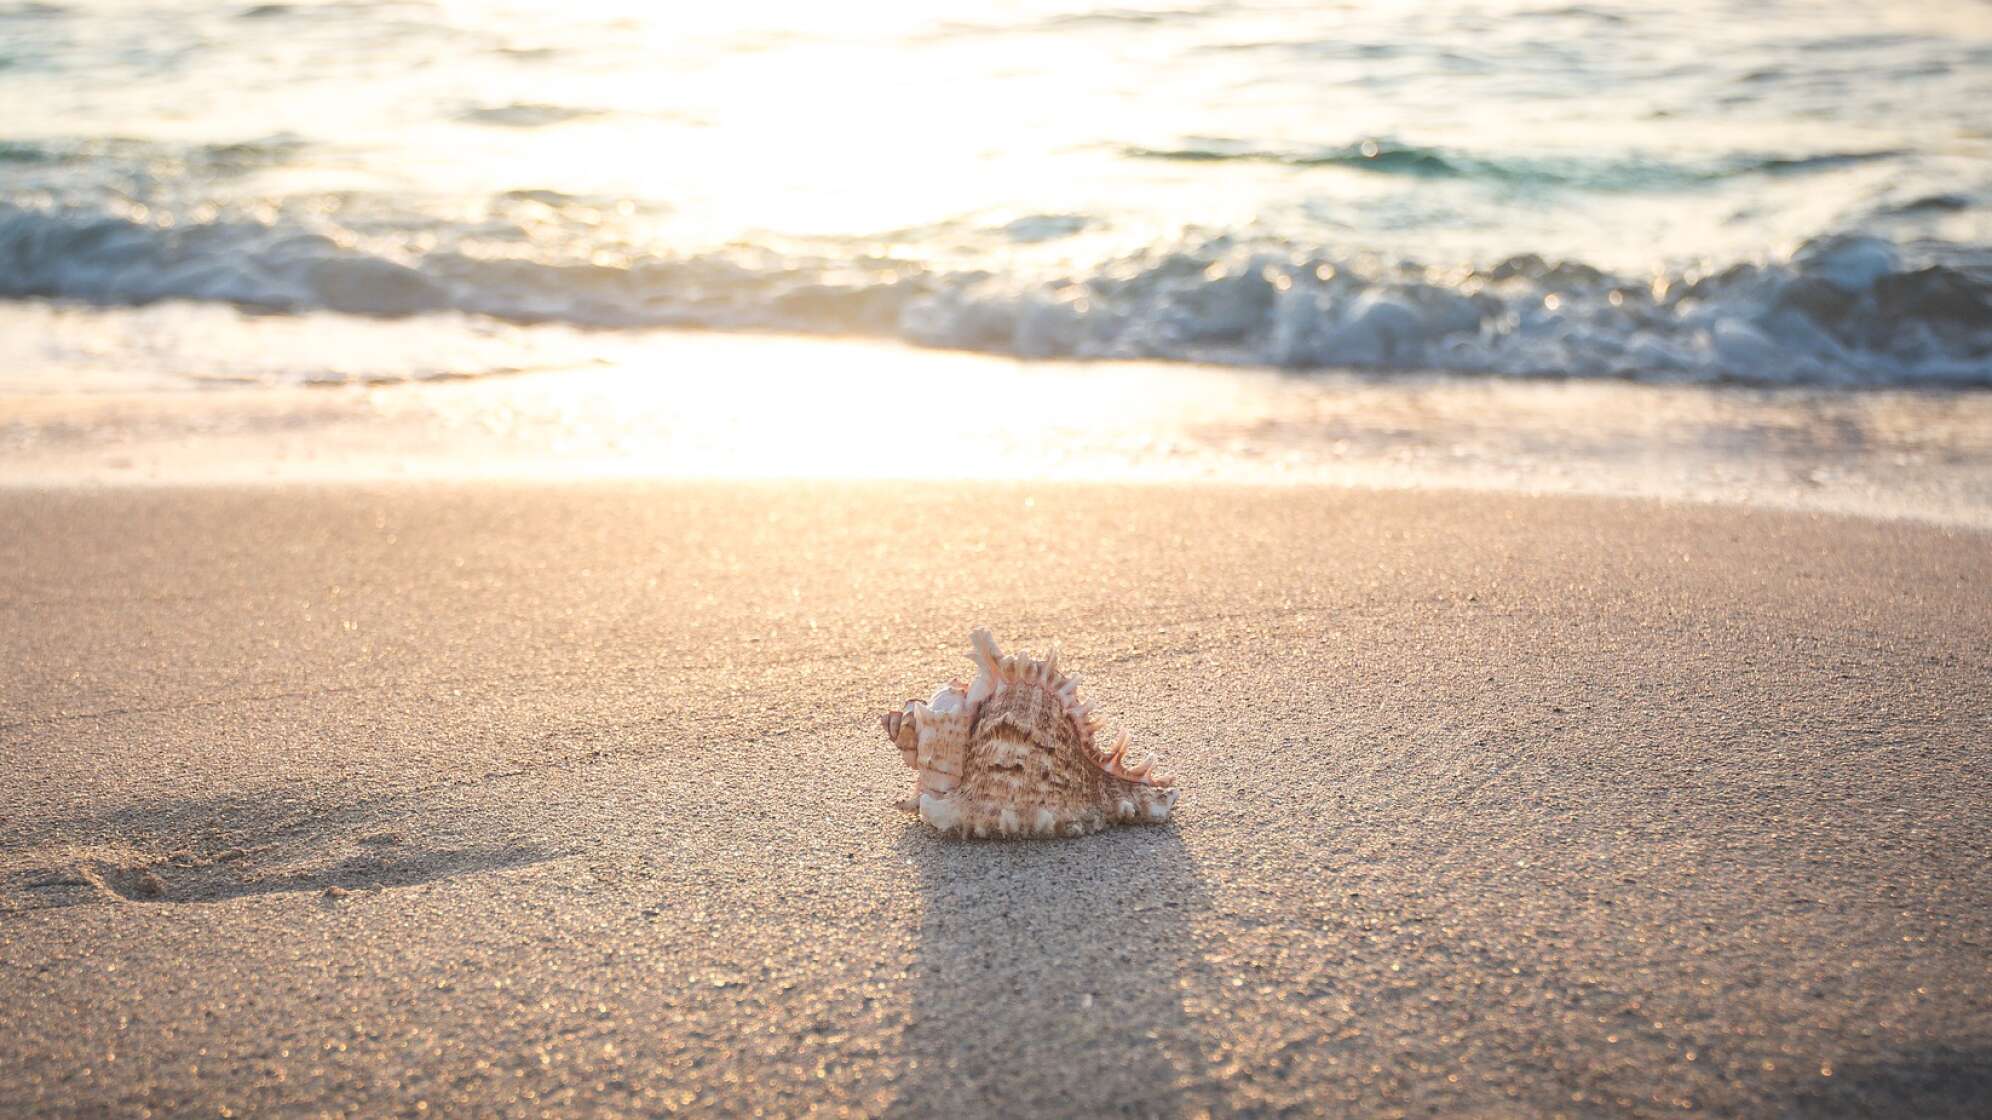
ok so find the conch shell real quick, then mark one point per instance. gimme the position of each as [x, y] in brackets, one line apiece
[1017, 752]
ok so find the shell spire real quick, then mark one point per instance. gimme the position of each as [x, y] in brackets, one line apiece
[1015, 752]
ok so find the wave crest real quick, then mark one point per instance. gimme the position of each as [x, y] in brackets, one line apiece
[1849, 310]
[1391, 157]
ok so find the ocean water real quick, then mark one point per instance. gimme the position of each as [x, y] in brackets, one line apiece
[1766, 191]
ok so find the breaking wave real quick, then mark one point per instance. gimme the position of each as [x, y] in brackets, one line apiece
[1843, 310]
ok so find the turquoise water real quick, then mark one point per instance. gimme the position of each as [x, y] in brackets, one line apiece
[1768, 192]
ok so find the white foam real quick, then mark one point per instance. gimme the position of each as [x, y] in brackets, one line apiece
[1850, 309]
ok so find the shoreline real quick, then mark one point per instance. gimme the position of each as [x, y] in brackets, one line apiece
[716, 407]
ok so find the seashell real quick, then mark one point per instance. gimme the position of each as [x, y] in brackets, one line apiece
[1014, 753]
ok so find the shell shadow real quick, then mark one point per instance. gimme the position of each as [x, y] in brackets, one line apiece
[1050, 977]
[1936, 1081]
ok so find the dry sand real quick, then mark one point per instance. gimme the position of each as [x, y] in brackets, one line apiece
[507, 798]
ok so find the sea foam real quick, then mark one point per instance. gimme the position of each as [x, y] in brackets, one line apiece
[1844, 309]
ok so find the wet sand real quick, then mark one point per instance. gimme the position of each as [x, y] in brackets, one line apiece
[498, 797]
[705, 407]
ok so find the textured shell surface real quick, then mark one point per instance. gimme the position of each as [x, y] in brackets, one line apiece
[1019, 752]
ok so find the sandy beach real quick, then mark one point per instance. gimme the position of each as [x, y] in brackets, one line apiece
[493, 797]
